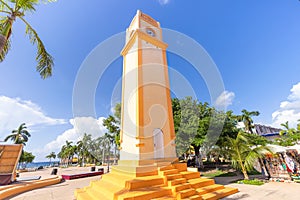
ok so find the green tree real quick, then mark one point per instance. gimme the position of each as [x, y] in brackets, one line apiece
[20, 135]
[80, 151]
[193, 121]
[288, 130]
[89, 147]
[51, 155]
[17, 9]
[112, 124]
[289, 136]
[26, 157]
[186, 123]
[247, 120]
[66, 152]
[229, 128]
[204, 119]
[105, 143]
[243, 154]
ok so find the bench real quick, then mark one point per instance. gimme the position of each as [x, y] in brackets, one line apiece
[83, 175]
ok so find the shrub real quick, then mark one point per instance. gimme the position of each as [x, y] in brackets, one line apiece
[251, 182]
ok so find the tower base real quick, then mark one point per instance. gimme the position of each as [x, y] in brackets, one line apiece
[159, 180]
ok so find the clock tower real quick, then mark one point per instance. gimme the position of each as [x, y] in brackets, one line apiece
[148, 167]
[147, 128]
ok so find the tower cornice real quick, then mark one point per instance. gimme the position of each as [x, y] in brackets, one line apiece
[137, 34]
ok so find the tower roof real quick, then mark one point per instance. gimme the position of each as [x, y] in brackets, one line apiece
[142, 16]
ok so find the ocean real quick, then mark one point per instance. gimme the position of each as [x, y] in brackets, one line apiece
[38, 164]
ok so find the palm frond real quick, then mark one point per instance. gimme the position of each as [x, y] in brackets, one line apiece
[44, 59]
[25, 5]
[4, 6]
[25, 132]
[24, 138]
[6, 42]
[48, 1]
[9, 137]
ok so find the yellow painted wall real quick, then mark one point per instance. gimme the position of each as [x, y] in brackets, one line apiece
[128, 125]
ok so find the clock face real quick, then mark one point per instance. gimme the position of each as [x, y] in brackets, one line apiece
[150, 32]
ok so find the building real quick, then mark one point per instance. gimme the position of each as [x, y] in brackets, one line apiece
[270, 133]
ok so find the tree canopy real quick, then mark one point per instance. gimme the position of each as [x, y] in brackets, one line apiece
[20, 135]
[12, 10]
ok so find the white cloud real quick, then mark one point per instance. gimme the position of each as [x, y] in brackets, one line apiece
[14, 111]
[225, 99]
[80, 125]
[164, 2]
[289, 110]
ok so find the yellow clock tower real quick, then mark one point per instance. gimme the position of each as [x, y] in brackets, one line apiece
[148, 168]
[147, 129]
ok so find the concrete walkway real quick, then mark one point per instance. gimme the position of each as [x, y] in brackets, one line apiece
[65, 190]
[62, 191]
[271, 190]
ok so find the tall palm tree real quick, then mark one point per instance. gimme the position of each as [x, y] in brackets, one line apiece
[105, 142]
[247, 120]
[85, 148]
[20, 135]
[243, 154]
[80, 151]
[65, 152]
[50, 156]
[113, 126]
[17, 9]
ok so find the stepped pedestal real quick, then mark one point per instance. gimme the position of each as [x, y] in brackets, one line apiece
[171, 181]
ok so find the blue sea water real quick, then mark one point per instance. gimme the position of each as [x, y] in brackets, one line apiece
[38, 164]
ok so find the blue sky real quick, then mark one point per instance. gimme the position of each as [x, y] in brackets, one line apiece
[255, 45]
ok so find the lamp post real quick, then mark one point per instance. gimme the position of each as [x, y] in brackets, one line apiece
[107, 163]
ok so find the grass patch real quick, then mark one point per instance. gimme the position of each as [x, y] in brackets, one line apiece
[251, 182]
[219, 173]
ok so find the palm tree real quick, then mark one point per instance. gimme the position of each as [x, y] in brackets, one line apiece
[20, 135]
[243, 154]
[247, 120]
[84, 148]
[289, 136]
[288, 130]
[51, 155]
[80, 151]
[65, 152]
[105, 142]
[17, 9]
[113, 126]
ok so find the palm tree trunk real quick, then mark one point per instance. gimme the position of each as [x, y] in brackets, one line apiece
[244, 171]
[246, 177]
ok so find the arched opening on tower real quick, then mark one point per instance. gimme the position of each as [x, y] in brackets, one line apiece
[158, 143]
